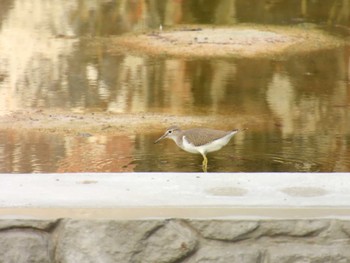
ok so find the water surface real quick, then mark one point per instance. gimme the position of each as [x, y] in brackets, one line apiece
[52, 63]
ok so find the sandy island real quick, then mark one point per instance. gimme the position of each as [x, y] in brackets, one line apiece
[188, 41]
[237, 41]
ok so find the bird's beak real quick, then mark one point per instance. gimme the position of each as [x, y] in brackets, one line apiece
[161, 138]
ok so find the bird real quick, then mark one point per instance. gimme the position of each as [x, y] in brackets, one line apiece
[198, 140]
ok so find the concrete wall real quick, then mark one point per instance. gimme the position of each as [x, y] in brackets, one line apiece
[175, 240]
[112, 218]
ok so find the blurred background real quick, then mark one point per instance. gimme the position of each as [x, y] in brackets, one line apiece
[49, 60]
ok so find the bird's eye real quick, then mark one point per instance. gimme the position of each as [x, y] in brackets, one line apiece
[170, 132]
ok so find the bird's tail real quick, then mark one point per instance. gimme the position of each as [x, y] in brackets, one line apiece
[240, 130]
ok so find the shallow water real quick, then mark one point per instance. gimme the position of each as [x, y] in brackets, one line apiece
[302, 102]
[253, 151]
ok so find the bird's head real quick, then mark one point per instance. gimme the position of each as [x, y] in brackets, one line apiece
[172, 132]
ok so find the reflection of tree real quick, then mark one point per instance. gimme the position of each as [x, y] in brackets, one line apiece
[45, 64]
[30, 55]
[275, 12]
[35, 152]
[286, 11]
[97, 154]
[340, 12]
[316, 84]
[99, 18]
[48, 72]
[5, 6]
[115, 17]
[313, 107]
[29, 152]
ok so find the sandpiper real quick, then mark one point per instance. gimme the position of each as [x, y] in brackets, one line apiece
[199, 140]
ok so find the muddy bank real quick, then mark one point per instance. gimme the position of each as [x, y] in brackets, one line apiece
[237, 41]
[104, 123]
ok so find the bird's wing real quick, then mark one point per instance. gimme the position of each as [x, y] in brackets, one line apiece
[199, 136]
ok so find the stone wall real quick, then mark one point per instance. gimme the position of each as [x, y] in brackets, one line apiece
[175, 240]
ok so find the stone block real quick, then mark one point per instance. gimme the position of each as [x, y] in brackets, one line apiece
[175, 241]
[223, 252]
[45, 225]
[309, 253]
[24, 246]
[345, 227]
[292, 228]
[227, 230]
[123, 241]
[106, 241]
[170, 243]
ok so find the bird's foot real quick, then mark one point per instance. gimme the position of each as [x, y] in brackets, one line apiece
[205, 165]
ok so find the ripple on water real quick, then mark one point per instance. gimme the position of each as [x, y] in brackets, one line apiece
[296, 164]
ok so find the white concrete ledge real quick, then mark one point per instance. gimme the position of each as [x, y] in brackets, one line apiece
[172, 217]
[118, 190]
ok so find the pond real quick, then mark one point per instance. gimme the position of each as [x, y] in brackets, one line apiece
[54, 57]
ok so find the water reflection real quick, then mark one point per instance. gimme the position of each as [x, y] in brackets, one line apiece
[96, 153]
[32, 60]
[48, 64]
[54, 62]
[29, 152]
[253, 151]
[35, 152]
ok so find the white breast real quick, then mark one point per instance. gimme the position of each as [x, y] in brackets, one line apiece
[189, 147]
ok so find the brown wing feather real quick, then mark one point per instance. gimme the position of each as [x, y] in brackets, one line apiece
[201, 136]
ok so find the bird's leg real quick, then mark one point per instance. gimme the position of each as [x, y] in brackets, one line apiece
[205, 163]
